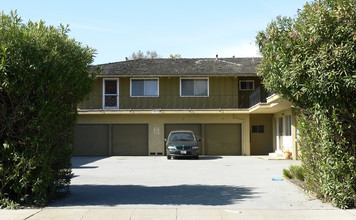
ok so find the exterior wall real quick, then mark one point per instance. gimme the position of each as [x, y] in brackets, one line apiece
[95, 98]
[156, 125]
[223, 93]
[261, 143]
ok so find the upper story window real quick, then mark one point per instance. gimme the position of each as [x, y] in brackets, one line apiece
[111, 93]
[144, 87]
[247, 84]
[198, 87]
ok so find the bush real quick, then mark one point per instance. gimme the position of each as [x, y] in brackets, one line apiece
[311, 61]
[287, 174]
[294, 172]
[330, 165]
[43, 75]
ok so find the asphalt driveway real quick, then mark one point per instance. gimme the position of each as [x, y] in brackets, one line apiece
[232, 182]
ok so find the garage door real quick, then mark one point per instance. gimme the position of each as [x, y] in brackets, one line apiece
[130, 140]
[196, 128]
[91, 140]
[222, 139]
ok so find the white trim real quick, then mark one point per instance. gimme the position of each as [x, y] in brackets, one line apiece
[180, 86]
[289, 124]
[117, 93]
[250, 80]
[144, 85]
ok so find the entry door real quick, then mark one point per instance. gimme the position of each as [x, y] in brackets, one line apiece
[279, 134]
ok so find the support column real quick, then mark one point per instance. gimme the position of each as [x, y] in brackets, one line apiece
[294, 136]
[246, 150]
[110, 140]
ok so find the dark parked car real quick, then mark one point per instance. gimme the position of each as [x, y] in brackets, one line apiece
[182, 144]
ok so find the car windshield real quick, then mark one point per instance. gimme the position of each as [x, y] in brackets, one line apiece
[181, 137]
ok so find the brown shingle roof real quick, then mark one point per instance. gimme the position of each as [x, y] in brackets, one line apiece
[183, 67]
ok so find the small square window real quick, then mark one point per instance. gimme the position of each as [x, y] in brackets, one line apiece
[258, 129]
[247, 84]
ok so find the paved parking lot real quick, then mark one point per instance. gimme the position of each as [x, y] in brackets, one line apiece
[224, 182]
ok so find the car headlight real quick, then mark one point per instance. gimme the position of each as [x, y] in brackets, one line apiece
[195, 148]
[172, 148]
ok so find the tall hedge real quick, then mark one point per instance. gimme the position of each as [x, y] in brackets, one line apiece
[311, 61]
[43, 76]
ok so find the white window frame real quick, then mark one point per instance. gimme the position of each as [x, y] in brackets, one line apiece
[180, 86]
[117, 93]
[144, 84]
[253, 85]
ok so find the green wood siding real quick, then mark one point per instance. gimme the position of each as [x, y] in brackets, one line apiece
[223, 93]
[95, 98]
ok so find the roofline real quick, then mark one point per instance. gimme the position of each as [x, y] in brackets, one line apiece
[175, 75]
[198, 58]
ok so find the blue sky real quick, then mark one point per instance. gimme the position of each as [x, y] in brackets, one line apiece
[192, 28]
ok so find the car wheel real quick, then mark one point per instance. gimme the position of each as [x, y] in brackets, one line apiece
[168, 157]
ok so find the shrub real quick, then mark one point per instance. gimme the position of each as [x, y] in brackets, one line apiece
[294, 172]
[287, 174]
[43, 75]
[311, 61]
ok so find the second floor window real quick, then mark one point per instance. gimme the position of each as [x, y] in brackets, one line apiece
[144, 87]
[110, 99]
[247, 85]
[194, 87]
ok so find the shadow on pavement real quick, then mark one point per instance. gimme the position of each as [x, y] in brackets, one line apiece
[200, 158]
[111, 195]
[79, 162]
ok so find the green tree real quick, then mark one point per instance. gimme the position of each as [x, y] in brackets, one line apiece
[175, 56]
[311, 61]
[43, 76]
[141, 55]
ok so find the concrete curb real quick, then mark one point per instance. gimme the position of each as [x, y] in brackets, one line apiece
[174, 214]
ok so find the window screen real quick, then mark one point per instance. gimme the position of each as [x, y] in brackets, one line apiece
[144, 87]
[110, 93]
[194, 87]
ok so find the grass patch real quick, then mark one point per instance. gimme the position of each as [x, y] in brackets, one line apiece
[294, 172]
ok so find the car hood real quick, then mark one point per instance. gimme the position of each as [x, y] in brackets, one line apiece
[181, 143]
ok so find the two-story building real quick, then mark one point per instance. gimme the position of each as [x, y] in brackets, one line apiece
[136, 103]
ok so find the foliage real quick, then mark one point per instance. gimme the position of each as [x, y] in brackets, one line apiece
[287, 174]
[141, 55]
[175, 56]
[311, 61]
[43, 76]
[294, 172]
